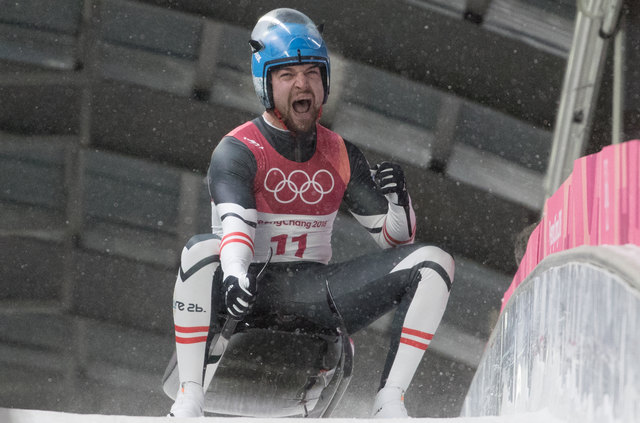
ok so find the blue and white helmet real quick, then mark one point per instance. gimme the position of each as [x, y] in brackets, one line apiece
[284, 37]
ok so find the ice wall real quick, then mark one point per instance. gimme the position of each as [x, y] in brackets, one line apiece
[567, 341]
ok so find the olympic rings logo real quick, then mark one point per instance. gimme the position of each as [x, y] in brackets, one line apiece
[287, 188]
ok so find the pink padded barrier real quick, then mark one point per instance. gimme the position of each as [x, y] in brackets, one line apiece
[597, 204]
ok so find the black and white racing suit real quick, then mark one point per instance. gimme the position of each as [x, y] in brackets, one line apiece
[271, 190]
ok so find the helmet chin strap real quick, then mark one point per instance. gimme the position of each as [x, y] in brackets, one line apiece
[279, 116]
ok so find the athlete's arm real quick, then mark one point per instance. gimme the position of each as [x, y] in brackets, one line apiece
[230, 177]
[390, 224]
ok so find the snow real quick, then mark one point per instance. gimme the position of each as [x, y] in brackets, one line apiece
[9, 415]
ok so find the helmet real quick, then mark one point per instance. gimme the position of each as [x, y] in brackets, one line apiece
[284, 37]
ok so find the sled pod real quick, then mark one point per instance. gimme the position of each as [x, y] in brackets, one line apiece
[271, 373]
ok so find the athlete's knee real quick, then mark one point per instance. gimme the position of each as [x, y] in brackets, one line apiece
[432, 257]
[438, 255]
[199, 252]
[198, 248]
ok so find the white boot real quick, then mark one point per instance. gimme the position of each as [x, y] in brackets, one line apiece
[389, 403]
[189, 401]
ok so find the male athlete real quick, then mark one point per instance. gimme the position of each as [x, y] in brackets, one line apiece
[276, 183]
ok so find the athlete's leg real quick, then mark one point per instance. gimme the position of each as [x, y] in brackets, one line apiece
[192, 317]
[364, 288]
[414, 325]
[416, 278]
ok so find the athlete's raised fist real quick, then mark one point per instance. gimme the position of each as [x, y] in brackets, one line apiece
[390, 180]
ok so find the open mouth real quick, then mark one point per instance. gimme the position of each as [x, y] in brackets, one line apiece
[301, 106]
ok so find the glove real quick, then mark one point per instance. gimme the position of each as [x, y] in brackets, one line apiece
[239, 295]
[389, 178]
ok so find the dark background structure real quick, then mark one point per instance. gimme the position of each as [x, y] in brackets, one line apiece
[110, 109]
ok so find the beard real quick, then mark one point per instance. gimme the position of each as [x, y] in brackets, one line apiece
[301, 116]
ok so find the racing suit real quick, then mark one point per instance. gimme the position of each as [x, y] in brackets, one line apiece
[274, 191]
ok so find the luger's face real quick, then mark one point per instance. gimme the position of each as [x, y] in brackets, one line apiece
[298, 94]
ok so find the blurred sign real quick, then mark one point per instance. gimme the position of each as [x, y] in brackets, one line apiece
[597, 204]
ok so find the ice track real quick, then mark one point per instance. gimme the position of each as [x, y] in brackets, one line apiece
[8, 415]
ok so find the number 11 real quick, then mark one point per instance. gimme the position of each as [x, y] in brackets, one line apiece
[281, 244]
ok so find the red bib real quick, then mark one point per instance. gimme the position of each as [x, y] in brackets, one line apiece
[282, 186]
[296, 202]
